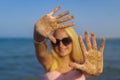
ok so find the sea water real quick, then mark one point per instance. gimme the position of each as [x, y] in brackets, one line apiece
[18, 60]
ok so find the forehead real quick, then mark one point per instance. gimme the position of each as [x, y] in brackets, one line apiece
[60, 33]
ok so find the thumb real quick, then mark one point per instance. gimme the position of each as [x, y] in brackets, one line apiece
[77, 66]
[52, 38]
[74, 65]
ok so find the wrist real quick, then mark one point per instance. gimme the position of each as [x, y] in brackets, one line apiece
[38, 42]
[38, 37]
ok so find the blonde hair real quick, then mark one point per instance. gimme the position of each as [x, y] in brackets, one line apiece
[76, 54]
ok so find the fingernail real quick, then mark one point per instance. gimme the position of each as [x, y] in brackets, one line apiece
[86, 32]
[92, 34]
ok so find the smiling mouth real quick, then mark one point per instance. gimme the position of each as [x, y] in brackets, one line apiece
[62, 49]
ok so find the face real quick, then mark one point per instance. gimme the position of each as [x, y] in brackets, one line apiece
[63, 44]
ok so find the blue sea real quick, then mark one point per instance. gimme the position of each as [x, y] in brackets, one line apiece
[18, 60]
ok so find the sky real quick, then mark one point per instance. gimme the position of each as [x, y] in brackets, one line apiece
[17, 17]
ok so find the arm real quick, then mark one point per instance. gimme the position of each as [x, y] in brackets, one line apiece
[42, 53]
[43, 29]
[93, 65]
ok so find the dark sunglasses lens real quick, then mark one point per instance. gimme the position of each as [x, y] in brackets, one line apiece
[57, 43]
[66, 41]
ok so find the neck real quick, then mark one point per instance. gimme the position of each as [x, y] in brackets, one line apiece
[65, 60]
[64, 64]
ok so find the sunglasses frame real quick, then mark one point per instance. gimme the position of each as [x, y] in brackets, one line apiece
[65, 41]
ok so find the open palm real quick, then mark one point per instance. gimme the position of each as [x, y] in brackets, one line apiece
[49, 23]
[93, 64]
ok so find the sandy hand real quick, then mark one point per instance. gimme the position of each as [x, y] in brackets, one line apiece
[48, 23]
[93, 64]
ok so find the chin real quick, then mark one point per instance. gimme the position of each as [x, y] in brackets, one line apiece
[62, 54]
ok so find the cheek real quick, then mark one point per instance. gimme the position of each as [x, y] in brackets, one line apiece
[70, 48]
[67, 49]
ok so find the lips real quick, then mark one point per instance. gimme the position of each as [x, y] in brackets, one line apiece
[62, 49]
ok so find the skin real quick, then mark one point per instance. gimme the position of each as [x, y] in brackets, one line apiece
[93, 64]
[43, 27]
[49, 23]
[62, 50]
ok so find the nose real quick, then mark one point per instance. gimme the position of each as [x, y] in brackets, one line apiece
[61, 44]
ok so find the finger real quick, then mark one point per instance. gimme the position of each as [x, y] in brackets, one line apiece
[94, 44]
[87, 40]
[65, 25]
[62, 14]
[74, 65]
[55, 10]
[65, 19]
[52, 38]
[102, 45]
[82, 44]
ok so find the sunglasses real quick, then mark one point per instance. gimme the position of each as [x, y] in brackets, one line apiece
[66, 41]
